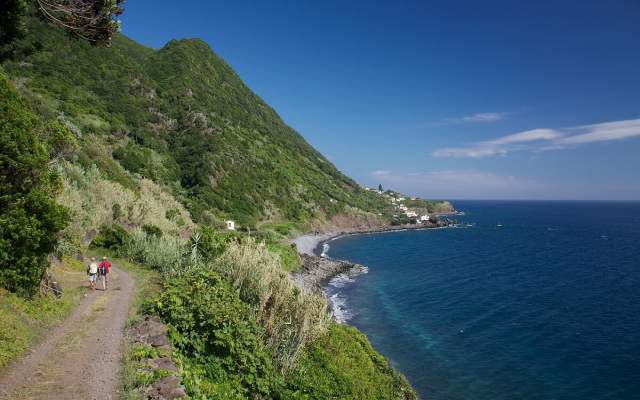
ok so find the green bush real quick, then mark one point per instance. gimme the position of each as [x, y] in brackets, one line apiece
[219, 337]
[288, 255]
[30, 218]
[152, 230]
[167, 255]
[212, 242]
[111, 237]
[343, 365]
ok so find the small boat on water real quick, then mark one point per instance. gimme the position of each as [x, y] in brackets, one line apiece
[499, 225]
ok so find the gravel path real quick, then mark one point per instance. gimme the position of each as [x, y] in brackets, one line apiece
[81, 358]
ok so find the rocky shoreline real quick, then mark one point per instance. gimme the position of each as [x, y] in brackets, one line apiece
[317, 270]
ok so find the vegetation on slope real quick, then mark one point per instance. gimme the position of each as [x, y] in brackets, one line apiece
[182, 117]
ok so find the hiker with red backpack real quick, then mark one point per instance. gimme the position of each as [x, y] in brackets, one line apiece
[103, 270]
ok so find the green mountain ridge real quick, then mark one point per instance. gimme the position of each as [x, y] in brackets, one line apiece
[183, 118]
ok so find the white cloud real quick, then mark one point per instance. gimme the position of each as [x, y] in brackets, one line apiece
[476, 118]
[485, 117]
[381, 172]
[499, 146]
[545, 139]
[527, 136]
[603, 132]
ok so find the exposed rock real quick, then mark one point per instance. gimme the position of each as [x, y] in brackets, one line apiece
[166, 388]
[150, 331]
[158, 340]
[317, 271]
[163, 363]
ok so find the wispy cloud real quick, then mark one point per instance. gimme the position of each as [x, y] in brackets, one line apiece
[485, 117]
[381, 172]
[477, 118]
[545, 139]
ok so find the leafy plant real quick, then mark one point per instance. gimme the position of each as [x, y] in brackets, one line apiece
[219, 338]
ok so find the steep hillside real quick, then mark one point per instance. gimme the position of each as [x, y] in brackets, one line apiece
[182, 117]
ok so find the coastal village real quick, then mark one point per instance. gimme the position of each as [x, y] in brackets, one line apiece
[408, 209]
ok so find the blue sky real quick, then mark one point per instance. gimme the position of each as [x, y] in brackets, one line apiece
[465, 99]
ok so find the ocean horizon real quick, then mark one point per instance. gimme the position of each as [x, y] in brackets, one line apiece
[525, 300]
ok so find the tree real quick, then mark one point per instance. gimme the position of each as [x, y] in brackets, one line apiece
[95, 21]
[91, 20]
[30, 218]
[12, 20]
[380, 187]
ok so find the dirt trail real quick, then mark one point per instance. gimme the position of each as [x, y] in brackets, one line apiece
[81, 358]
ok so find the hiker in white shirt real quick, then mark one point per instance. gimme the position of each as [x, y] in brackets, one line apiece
[92, 271]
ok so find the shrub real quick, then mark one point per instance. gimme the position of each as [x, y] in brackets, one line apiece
[116, 212]
[167, 254]
[212, 242]
[343, 365]
[30, 218]
[152, 230]
[111, 237]
[219, 337]
[289, 257]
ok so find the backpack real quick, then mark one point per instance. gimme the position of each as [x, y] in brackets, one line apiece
[102, 269]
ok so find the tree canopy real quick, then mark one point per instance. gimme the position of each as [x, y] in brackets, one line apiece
[30, 218]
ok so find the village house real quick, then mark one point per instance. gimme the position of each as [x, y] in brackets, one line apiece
[424, 218]
[231, 225]
[411, 214]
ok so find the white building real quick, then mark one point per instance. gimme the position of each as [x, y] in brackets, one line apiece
[403, 207]
[231, 225]
[424, 218]
[411, 214]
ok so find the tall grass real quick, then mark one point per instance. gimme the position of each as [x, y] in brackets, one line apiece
[291, 318]
[168, 255]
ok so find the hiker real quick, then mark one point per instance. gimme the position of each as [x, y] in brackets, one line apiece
[103, 270]
[92, 271]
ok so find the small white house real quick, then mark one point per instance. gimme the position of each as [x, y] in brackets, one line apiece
[403, 207]
[411, 214]
[424, 218]
[231, 225]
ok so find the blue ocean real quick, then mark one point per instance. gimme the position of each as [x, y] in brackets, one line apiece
[530, 300]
